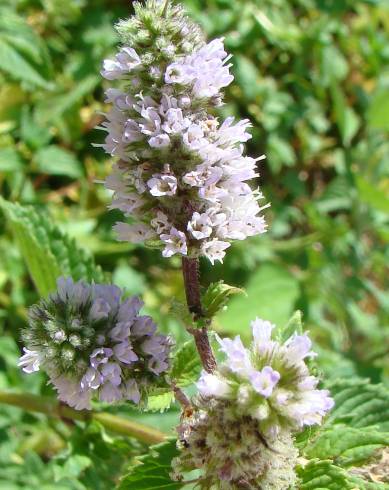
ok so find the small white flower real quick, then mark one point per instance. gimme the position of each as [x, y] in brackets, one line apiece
[264, 381]
[175, 122]
[200, 226]
[214, 250]
[161, 223]
[29, 361]
[238, 356]
[262, 330]
[179, 73]
[162, 185]
[126, 60]
[159, 141]
[298, 347]
[210, 385]
[133, 233]
[175, 243]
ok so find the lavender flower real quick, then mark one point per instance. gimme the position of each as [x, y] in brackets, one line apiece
[240, 432]
[270, 382]
[175, 159]
[92, 341]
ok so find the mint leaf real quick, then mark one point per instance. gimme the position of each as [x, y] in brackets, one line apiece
[47, 251]
[186, 365]
[152, 470]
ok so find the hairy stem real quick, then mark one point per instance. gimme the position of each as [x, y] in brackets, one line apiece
[49, 406]
[180, 396]
[190, 271]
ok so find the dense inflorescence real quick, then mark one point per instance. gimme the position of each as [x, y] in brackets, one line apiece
[231, 451]
[181, 175]
[248, 410]
[90, 340]
[271, 381]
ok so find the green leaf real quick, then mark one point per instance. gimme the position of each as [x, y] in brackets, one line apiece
[347, 445]
[12, 62]
[47, 251]
[54, 107]
[160, 399]
[378, 115]
[294, 325]
[280, 153]
[333, 65]
[186, 365]
[360, 403]
[324, 475]
[10, 160]
[216, 297]
[345, 117]
[372, 195]
[152, 471]
[31, 133]
[180, 311]
[54, 160]
[271, 294]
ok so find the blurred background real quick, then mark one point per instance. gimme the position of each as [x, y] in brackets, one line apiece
[313, 77]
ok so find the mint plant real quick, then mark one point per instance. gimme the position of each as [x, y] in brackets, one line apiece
[255, 417]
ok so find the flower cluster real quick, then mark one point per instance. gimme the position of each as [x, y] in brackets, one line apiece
[181, 175]
[247, 411]
[271, 382]
[90, 341]
[231, 452]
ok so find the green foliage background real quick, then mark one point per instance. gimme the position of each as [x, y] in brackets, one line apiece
[313, 76]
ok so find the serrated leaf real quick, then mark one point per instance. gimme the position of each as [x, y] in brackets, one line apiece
[47, 251]
[216, 297]
[324, 475]
[186, 365]
[54, 107]
[294, 325]
[346, 445]
[180, 311]
[19, 33]
[160, 399]
[53, 160]
[360, 404]
[152, 471]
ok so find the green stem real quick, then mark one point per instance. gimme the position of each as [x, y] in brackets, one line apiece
[50, 407]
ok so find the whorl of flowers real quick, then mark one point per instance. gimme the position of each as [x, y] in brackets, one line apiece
[92, 341]
[181, 175]
[241, 430]
[231, 452]
[270, 382]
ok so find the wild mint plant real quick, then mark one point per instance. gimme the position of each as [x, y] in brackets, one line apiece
[182, 182]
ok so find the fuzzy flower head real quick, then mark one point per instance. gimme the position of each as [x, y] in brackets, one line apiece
[176, 163]
[231, 452]
[92, 341]
[270, 382]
